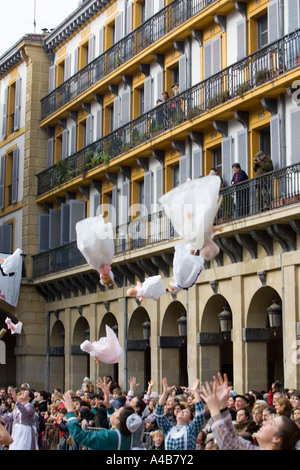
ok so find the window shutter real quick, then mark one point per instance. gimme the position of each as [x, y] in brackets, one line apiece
[65, 144]
[17, 116]
[77, 213]
[116, 112]
[4, 118]
[125, 101]
[65, 224]
[119, 26]
[275, 141]
[50, 150]
[99, 124]
[97, 201]
[52, 78]
[242, 149]
[15, 176]
[226, 160]
[114, 204]
[273, 21]
[73, 139]
[148, 94]
[159, 182]
[125, 202]
[293, 15]
[129, 24]
[184, 170]
[76, 60]
[161, 4]
[101, 40]
[295, 136]
[148, 191]
[67, 67]
[207, 50]
[2, 182]
[216, 55]
[91, 48]
[43, 236]
[160, 83]
[148, 9]
[241, 39]
[54, 228]
[6, 241]
[182, 73]
[197, 163]
[89, 129]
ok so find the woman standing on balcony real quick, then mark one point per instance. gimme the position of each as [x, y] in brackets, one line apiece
[242, 198]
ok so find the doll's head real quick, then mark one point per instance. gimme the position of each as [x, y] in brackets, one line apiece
[106, 275]
[131, 292]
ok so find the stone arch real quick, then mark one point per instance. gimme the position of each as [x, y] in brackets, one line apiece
[80, 360]
[138, 348]
[215, 349]
[263, 348]
[57, 355]
[173, 348]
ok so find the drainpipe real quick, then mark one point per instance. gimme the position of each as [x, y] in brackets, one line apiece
[283, 321]
[282, 112]
[48, 352]
[125, 342]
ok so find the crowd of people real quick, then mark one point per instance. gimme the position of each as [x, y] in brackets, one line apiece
[103, 417]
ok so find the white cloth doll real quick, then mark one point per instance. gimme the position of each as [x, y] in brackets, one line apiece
[12, 263]
[14, 328]
[107, 349]
[152, 288]
[192, 208]
[187, 265]
[95, 240]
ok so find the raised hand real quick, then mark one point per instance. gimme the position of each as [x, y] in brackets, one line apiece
[216, 394]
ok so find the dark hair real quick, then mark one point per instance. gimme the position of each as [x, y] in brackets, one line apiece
[236, 165]
[125, 412]
[247, 412]
[141, 405]
[289, 433]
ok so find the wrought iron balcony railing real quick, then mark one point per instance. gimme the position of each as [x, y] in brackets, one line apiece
[275, 59]
[148, 33]
[267, 192]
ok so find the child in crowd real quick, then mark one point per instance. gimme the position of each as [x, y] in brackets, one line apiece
[158, 440]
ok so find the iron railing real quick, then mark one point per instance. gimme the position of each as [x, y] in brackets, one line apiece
[149, 32]
[267, 192]
[231, 82]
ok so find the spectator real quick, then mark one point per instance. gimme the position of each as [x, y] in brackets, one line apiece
[283, 407]
[295, 398]
[242, 194]
[241, 401]
[116, 438]
[242, 420]
[183, 435]
[158, 440]
[280, 433]
[262, 165]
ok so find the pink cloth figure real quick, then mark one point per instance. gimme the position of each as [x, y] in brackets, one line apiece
[15, 329]
[12, 263]
[107, 349]
[106, 275]
[152, 288]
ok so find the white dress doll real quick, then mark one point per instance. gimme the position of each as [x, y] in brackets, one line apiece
[187, 265]
[12, 263]
[152, 288]
[107, 349]
[192, 208]
[95, 240]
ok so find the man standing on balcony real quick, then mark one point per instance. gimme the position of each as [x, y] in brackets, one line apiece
[263, 165]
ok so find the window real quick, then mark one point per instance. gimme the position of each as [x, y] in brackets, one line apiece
[176, 180]
[11, 108]
[142, 101]
[265, 141]
[262, 31]
[9, 178]
[217, 160]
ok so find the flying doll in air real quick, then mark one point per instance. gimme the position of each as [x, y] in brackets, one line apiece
[152, 288]
[192, 208]
[106, 349]
[95, 241]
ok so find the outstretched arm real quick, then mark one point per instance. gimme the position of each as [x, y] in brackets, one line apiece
[216, 394]
[166, 392]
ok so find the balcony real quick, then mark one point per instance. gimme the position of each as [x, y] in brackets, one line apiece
[234, 81]
[145, 35]
[277, 189]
